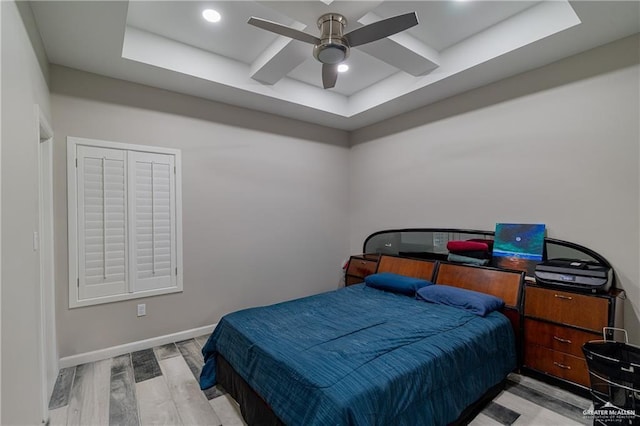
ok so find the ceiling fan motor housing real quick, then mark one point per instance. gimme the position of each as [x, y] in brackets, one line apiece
[332, 49]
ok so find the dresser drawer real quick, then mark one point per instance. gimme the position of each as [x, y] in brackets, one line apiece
[567, 308]
[358, 269]
[557, 337]
[351, 280]
[557, 364]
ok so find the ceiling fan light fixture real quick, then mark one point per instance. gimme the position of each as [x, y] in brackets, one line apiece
[211, 15]
[343, 68]
[332, 48]
[331, 54]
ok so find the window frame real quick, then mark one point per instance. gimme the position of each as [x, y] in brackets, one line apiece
[72, 216]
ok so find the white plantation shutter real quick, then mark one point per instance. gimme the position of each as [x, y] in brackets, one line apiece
[152, 207]
[102, 222]
[125, 230]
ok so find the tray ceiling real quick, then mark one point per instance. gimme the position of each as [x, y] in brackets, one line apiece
[457, 46]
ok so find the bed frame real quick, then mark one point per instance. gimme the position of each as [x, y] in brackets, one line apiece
[504, 284]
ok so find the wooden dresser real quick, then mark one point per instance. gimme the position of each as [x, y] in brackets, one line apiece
[556, 325]
[360, 266]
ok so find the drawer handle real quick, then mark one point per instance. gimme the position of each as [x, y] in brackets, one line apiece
[566, 367]
[560, 296]
[363, 262]
[561, 340]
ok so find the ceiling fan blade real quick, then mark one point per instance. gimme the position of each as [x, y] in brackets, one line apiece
[274, 27]
[381, 29]
[329, 75]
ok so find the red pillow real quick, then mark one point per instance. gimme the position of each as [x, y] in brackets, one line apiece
[467, 246]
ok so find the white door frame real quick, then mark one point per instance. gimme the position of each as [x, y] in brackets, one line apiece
[48, 343]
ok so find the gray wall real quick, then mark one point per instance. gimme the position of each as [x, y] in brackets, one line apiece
[264, 205]
[557, 145]
[23, 87]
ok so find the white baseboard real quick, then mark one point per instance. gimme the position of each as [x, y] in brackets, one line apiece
[73, 360]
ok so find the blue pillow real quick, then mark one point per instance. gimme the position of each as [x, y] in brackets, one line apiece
[396, 283]
[472, 301]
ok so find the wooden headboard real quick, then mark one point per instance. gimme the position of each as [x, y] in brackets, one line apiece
[505, 284]
[502, 283]
[417, 268]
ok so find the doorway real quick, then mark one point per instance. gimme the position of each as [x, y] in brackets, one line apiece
[48, 343]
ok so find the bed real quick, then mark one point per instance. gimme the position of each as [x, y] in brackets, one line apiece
[364, 356]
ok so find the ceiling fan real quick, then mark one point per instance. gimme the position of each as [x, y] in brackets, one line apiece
[332, 47]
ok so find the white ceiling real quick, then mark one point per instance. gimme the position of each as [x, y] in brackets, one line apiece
[457, 46]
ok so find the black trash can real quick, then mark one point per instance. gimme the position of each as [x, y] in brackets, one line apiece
[614, 371]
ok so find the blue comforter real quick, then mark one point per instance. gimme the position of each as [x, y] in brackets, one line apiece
[361, 356]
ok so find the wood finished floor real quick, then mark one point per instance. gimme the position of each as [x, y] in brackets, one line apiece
[159, 387]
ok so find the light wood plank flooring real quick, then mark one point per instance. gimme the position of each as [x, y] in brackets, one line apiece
[159, 386]
[156, 386]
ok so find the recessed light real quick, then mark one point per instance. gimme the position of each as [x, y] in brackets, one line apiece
[343, 68]
[211, 15]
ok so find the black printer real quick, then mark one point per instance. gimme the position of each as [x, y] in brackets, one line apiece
[572, 274]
